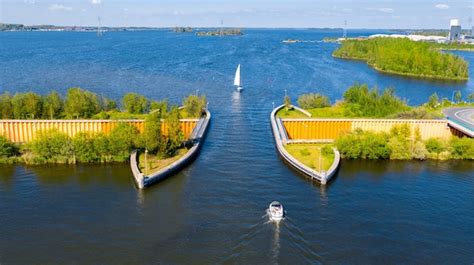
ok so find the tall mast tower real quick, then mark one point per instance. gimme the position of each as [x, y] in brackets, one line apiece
[344, 30]
[222, 27]
[99, 27]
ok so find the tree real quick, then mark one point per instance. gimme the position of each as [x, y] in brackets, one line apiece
[81, 103]
[174, 135]
[433, 101]
[108, 104]
[52, 105]
[135, 103]
[161, 106]
[6, 107]
[457, 96]
[470, 97]
[287, 102]
[152, 134]
[194, 105]
[313, 100]
[27, 105]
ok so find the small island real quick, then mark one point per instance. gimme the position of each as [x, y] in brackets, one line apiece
[220, 33]
[182, 30]
[408, 58]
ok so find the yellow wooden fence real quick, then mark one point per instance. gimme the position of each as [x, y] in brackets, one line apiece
[330, 129]
[21, 131]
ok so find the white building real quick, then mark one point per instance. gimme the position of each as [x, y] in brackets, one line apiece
[455, 30]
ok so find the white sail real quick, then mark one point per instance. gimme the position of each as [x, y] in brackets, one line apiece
[237, 81]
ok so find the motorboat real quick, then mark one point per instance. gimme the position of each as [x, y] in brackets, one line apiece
[275, 211]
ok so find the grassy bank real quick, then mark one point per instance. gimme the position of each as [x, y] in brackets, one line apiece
[309, 154]
[156, 163]
[406, 58]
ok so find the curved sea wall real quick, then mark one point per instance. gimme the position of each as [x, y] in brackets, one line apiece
[197, 138]
[281, 139]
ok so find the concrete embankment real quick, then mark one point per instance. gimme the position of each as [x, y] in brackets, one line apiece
[281, 139]
[197, 138]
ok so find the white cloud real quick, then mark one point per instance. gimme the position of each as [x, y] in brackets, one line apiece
[381, 9]
[386, 10]
[96, 2]
[442, 6]
[59, 7]
[31, 2]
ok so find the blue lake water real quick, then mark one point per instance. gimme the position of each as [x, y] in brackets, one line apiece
[213, 211]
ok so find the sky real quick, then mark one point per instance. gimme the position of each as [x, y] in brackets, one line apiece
[386, 14]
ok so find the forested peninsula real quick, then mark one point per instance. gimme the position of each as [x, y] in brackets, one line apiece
[405, 57]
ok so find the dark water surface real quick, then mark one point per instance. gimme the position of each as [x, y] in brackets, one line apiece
[213, 211]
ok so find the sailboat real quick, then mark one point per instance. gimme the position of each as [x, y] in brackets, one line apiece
[237, 80]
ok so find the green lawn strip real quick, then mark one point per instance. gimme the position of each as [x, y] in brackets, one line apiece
[290, 114]
[308, 154]
[156, 163]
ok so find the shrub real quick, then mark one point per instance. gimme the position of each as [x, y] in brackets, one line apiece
[84, 148]
[400, 148]
[462, 148]
[374, 146]
[434, 145]
[305, 152]
[419, 151]
[327, 151]
[135, 103]
[312, 101]
[349, 146]
[122, 141]
[52, 147]
[360, 101]
[194, 105]
[7, 148]
[101, 146]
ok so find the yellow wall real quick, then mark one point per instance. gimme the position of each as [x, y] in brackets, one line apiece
[21, 131]
[330, 129]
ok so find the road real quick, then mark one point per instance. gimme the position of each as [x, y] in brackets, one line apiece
[463, 116]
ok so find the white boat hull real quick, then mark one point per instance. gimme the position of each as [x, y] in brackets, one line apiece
[276, 211]
[239, 89]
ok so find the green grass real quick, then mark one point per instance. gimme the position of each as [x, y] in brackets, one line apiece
[290, 114]
[156, 163]
[339, 111]
[308, 154]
